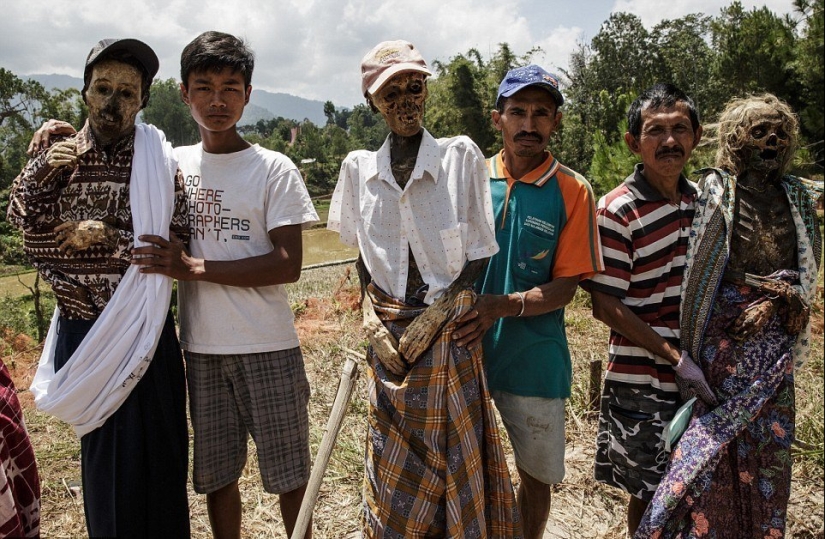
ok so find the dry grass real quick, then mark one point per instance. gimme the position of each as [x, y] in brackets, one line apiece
[324, 301]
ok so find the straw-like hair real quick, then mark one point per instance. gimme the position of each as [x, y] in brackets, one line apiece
[735, 122]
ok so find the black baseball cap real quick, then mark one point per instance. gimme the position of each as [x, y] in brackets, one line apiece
[104, 48]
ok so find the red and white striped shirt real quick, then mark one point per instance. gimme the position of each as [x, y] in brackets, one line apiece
[644, 239]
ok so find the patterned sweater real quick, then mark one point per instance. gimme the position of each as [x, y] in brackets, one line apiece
[96, 188]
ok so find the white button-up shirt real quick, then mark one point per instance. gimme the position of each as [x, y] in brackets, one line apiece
[444, 213]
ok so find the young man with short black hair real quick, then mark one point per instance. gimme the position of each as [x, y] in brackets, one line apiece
[245, 371]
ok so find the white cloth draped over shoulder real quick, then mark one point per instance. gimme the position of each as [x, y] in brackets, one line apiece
[116, 352]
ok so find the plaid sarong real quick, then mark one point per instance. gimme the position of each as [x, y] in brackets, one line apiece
[435, 465]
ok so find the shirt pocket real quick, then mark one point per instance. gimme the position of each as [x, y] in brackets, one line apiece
[535, 257]
[453, 240]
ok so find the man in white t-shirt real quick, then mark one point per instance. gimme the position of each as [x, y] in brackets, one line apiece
[247, 206]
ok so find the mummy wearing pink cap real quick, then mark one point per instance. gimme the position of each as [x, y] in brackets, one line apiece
[419, 211]
[387, 59]
[393, 78]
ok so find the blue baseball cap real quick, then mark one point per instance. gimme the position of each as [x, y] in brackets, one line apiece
[531, 75]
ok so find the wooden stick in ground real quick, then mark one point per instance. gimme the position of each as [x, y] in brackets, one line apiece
[339, 408]
[595, 392]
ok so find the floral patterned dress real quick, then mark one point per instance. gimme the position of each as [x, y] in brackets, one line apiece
[729, 476]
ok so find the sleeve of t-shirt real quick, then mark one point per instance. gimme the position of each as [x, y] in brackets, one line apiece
[343, 209]
[578, 252]
[617, 253]
[481, 235]
[288, 201]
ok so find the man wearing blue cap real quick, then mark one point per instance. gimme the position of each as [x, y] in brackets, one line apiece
[546, 231]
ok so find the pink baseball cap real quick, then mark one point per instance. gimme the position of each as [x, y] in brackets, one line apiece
[386, 59]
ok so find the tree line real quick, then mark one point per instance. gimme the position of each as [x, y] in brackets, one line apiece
[712, 58]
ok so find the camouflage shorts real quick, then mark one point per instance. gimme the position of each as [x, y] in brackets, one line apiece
[630, 450]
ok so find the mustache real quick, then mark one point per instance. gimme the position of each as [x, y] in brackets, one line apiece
[676, 151]
[529, 136]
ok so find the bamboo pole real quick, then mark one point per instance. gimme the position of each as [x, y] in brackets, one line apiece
[349, 374]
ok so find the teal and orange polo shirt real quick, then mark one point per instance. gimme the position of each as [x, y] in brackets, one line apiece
[546, 229]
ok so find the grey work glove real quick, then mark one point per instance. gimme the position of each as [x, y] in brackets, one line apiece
[691, 380]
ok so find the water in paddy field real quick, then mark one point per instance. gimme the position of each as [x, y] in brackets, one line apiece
[322, 245]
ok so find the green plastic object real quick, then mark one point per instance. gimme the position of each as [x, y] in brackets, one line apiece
[677, 426]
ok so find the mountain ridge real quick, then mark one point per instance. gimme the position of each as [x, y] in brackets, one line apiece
[263, 105]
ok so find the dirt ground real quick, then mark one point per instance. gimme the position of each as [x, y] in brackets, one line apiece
[324, 303]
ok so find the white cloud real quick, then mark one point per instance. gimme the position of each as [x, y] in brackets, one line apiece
[558, 46]
[313, 48]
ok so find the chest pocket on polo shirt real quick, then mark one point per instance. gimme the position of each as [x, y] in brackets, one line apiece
[453, 241]
[535, 257]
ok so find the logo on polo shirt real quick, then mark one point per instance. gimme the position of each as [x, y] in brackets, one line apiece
[541, 225]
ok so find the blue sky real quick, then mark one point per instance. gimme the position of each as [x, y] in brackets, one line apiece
[313, 48]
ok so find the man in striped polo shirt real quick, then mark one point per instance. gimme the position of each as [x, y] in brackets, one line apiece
[644, 225]
[546, 231]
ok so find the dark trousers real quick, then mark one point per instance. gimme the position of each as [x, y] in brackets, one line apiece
[134, 467]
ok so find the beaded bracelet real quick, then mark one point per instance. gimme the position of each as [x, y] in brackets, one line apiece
[521, 297]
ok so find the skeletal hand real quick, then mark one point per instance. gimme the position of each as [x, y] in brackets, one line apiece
[62, 154]
[793, 308]
[383, 343]
[752, 320]
[783, 299]
[420, 334]
[43, 136]
[75, 236]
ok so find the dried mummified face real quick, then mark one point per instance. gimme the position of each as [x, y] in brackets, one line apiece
[757, 134]
[114, 98]
[768, 142]
[401, 102]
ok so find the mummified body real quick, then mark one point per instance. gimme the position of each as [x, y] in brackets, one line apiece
[745, 317]
[434, 463]
[764, 232]
[760, 139]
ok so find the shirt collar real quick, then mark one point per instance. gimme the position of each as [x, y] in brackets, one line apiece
[538, 176]
[428, 160]
[639, 186]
